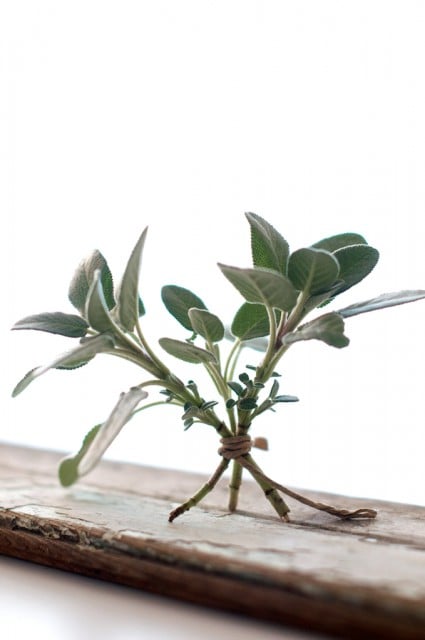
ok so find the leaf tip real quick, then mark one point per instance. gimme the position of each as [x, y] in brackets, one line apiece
[68, 473]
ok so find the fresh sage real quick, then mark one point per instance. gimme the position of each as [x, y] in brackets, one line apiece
[279, 290]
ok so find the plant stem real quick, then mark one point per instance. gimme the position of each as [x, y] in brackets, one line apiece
[230, 366]
[235, 485]
[203, 491]
[165, 370]
[272, 495]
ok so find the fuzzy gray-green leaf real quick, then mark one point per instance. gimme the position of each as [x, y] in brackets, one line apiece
[312, 270]
[83, 278]
[64, 324]
[269, 249]
[128, 305]
[99, 438]
[355, 262]
[97, 312]
[208, 325]
[329, 328]
[382, 302]
[119, 416]
[178, 301]
[251, 321]
[88, 348]
[68, 468]
[262, 286]
[186, 351]
[333, 243]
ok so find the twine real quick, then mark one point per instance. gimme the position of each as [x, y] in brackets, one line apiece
[238, 448]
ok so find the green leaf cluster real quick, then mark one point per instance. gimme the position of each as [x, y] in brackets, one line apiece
[279, 289]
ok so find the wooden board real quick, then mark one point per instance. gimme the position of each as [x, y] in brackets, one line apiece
[358, 579]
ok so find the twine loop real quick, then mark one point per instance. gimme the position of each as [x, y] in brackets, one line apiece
[234, 447]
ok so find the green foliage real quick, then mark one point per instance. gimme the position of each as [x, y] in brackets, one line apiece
[279, 291]
[97, 312]
[251, 321]
[328, 328]
[382, 302]
[68, 467]
[100, 437]
[88, 348]
[83, 278]
[263, 286]
[269, 249]
[341, 240]
[64, 324]
[206, 324]
[178, 301]
[186, 351]
[129, 305]
[313, 270]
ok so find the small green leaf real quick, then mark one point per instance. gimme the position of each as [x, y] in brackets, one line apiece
[251, 321]
[269, 249]
[83, 277]
[312, 270]
[120, 415]
[333, 243]
[274, 389]
[355, 262]
[208, 325]
[263, 286]
[128, 300]
[68, 468]
[247, 404]
[100, 437]
[97, 312]
[329, 328]
[64, 324]
[382, 302]
[236, 387]
[178, 301]
[286, 399]
[186, 351]
[88, 348]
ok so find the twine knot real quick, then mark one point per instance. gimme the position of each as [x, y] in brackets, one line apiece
[235, 446]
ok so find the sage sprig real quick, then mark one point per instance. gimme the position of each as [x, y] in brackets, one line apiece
[279, 290]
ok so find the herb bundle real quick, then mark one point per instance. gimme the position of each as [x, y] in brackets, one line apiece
[280, 289]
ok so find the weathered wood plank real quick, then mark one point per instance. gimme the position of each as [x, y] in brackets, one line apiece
[351, 579]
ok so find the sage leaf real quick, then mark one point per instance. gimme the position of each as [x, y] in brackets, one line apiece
[128, 300]
[97, 312]
[329, 328]
[208, 325]
[263, 286]
[382, 302]
[333, 243]
[88, 348]
[99, 438]
[269, 249]
[251, 321]
[120, 415]
[186, 351]
[312, 270]
[286, 398]
[83, 277]
[355, 263]
[178, 301]
[64, 324]
[68, 468]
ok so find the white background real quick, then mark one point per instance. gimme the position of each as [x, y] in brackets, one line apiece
[183, 115]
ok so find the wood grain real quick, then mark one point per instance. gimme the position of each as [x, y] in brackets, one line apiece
[360, 579]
